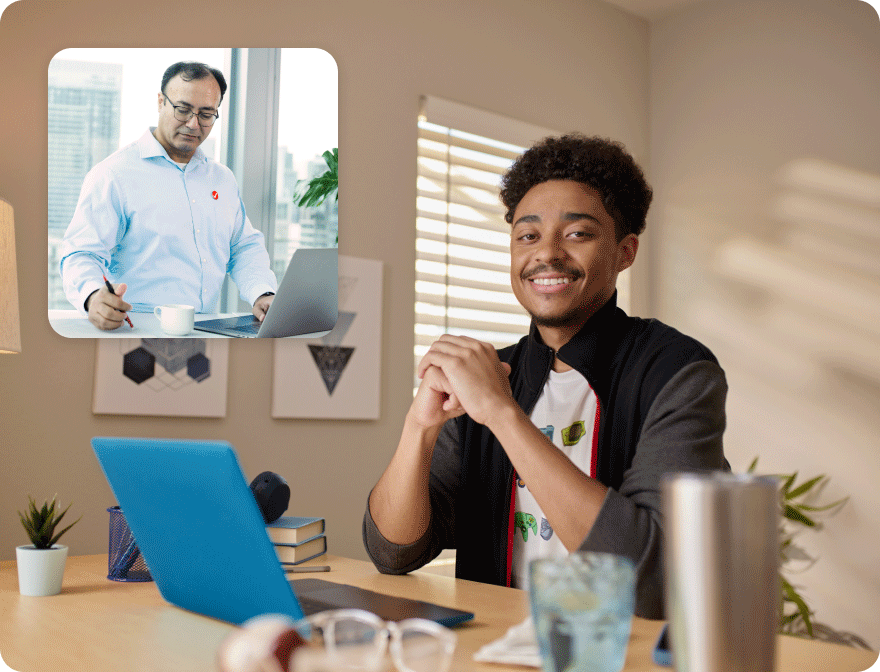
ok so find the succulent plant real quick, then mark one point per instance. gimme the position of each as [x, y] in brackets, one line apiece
[40, 523]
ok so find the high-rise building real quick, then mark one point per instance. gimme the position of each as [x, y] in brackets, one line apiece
[84, 113]
[287, 229]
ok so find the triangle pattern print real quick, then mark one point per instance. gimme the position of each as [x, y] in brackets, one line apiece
[331, 361]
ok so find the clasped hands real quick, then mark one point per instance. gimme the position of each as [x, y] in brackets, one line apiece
[461, 375]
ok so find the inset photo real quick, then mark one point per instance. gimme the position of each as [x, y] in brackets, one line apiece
[193, 193]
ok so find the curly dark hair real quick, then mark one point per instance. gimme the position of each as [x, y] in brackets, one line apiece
[599, 162]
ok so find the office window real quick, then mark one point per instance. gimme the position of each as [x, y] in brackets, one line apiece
[462, 240]
[307, 127]
[283, 114]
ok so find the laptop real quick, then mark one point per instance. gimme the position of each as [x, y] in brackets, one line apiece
[201, 533]
[306, 301]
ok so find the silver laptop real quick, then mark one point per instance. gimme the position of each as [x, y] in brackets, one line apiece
[201, 533]
[306, 301]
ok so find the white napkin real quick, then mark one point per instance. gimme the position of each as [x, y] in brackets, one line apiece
[518, 647]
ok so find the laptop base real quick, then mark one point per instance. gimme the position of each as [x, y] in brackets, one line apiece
[317, 595]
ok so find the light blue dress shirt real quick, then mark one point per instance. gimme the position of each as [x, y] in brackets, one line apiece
[170, 233]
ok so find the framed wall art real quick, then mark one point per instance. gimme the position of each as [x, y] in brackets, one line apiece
[161, 376]
[338, 375]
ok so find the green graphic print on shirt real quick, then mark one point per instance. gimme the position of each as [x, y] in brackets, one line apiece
[524, 521]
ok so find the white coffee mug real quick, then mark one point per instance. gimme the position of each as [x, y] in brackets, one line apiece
[175, 320]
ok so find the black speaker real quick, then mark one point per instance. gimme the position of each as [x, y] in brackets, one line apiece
[272, 494]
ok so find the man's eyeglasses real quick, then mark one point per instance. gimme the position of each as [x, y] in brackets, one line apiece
[185, 113]
[353, 639]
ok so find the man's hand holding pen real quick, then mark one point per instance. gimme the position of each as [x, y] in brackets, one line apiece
[107, 309]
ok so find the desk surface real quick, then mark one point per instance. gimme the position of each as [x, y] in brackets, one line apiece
[100, 625]
[70, 324]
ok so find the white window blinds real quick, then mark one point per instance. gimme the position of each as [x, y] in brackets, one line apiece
[462, 240]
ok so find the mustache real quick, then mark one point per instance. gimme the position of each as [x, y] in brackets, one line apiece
[551, 268]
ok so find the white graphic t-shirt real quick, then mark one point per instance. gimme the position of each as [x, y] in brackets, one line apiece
[566, 413]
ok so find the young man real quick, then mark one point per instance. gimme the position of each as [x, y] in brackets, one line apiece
[163, 219]
[559, 442]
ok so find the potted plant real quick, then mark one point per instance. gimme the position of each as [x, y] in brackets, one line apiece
[317, 190]
[41, 565]
[795, 615]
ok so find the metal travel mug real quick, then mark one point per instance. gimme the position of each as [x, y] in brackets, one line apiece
[722, 571]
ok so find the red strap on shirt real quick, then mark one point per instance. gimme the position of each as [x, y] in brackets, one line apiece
[510, 530]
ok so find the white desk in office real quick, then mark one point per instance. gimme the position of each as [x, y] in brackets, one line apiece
[70, 324]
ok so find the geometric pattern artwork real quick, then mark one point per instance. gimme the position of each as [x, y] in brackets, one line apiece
[161, 376]
[139, 365]
[198, 367]
[167, 363]
[337, 375]
[331, 362]
[330, 357]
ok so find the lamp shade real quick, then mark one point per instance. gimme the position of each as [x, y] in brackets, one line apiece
[10, 332]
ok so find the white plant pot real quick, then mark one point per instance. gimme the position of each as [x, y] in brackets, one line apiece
[40, 571]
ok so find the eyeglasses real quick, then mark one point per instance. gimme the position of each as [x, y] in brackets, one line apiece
[353, 639]
[185, 113]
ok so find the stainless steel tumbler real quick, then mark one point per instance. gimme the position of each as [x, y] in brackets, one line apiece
[722, 571]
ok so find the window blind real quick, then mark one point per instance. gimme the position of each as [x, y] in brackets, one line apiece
[462, 240]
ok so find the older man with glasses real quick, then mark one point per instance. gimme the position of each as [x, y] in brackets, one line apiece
[161, 220]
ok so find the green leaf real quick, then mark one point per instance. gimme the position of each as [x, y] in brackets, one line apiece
[752, 466]
[793, 514]
[332, 159]
[788, 618]
[805, 487]
[806, 507]
[788, 483]
[803, 609]
[319, 188]
[58, 536]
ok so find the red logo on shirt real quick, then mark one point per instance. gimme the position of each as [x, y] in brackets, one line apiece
[215, 195]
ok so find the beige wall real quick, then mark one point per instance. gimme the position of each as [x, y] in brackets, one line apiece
[728, 93]
[772, 261]
[569, 65]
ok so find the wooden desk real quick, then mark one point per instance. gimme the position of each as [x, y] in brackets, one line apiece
[96, 625]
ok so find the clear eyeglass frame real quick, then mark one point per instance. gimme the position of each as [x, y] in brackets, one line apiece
[354, 639]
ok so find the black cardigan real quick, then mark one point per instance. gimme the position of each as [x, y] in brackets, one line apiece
[661, 398]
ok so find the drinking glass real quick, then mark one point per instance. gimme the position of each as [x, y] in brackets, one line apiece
[582, 607]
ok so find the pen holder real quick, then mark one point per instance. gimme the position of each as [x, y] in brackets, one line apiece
[125, 562]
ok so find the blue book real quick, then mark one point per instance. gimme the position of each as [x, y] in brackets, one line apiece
[294, 529]
[293, 554]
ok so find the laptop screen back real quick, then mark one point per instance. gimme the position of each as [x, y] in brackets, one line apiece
[198, 526]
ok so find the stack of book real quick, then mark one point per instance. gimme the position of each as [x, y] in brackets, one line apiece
[297, 539]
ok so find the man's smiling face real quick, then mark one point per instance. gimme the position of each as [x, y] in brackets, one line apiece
[564, 256]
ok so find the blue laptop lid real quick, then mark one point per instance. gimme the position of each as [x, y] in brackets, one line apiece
[203, 539]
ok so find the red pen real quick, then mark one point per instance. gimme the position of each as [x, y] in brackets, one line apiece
[112, 291]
